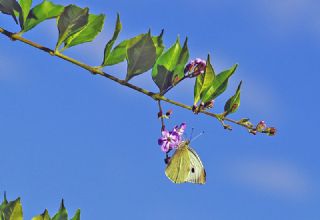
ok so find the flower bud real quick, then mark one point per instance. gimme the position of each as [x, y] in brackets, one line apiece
[188, 67]
[167, 160]
[261, 126]
[209, 104]
[227, 127]
[201, 107]
[195, 68]
[271, 131]
[160, 114]
[169, 113]
[198, 61]
[194, 108]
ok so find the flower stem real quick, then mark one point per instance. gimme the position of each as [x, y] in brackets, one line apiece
[161, 117]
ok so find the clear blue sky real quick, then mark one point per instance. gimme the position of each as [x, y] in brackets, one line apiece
[68, 134]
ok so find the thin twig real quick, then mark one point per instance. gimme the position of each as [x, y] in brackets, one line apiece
[95, 70]
[161, 116]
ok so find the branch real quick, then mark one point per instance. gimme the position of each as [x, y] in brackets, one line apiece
[95, 70]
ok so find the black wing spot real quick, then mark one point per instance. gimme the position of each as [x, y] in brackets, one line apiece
[192, 170]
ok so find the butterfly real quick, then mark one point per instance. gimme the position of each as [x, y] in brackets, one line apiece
[185, 166]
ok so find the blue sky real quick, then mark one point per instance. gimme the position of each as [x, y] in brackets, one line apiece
[68, 134]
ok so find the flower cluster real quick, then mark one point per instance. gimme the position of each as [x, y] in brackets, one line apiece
[263, 128]
[195, 68]
[171, 139]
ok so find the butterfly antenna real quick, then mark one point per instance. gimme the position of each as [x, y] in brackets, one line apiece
[196, 137]
[192, 129]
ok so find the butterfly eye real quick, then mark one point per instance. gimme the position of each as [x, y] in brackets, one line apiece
[192, 170]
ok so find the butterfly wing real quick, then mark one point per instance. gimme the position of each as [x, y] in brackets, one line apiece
[178, 168]
[197, 172]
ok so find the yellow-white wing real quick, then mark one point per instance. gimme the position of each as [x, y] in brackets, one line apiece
[197, 172]
[178, 168]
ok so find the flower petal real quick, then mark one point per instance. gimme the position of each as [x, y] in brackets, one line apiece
[161, 140]
[165, 147]
[165, 133]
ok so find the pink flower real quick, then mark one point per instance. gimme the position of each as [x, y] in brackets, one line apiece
[195, 68]
[180, 129]
[169, 140]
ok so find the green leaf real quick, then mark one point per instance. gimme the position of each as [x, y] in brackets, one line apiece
[41, 12]
[204, 81]
[162, 71]
[233, 103]
[9, 7]
[111, 42]
[44, 216]
[25, 7]
[72, 20]
[158, 43]
[141, 56]
[197, 88]
[178, 72]
[164, 78]
[88, 33]
[119, 53]
[219, 84]
[2, 206]
[208, 79]
[77, 215]
[62, 213]
[11, 210]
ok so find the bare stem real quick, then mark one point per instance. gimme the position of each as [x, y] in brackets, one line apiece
[95, 70]
[161, 116]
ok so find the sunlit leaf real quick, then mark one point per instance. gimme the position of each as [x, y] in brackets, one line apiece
[158, 43]
[233, 103]
[2, 207]
[219, 85]
[71, 20]
[178, 71]
[44, 216]
[11, 210]
[197, 88]
[9, 7]
[111, 42]
[141, 56]
[120, 52]
[204, 81]
[25, 7]
[41, 12]
[62, 214]
[162, 71]
[88, 33]
[77, 215]
[208, 78]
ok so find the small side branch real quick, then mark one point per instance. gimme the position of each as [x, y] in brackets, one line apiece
[161, 116]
